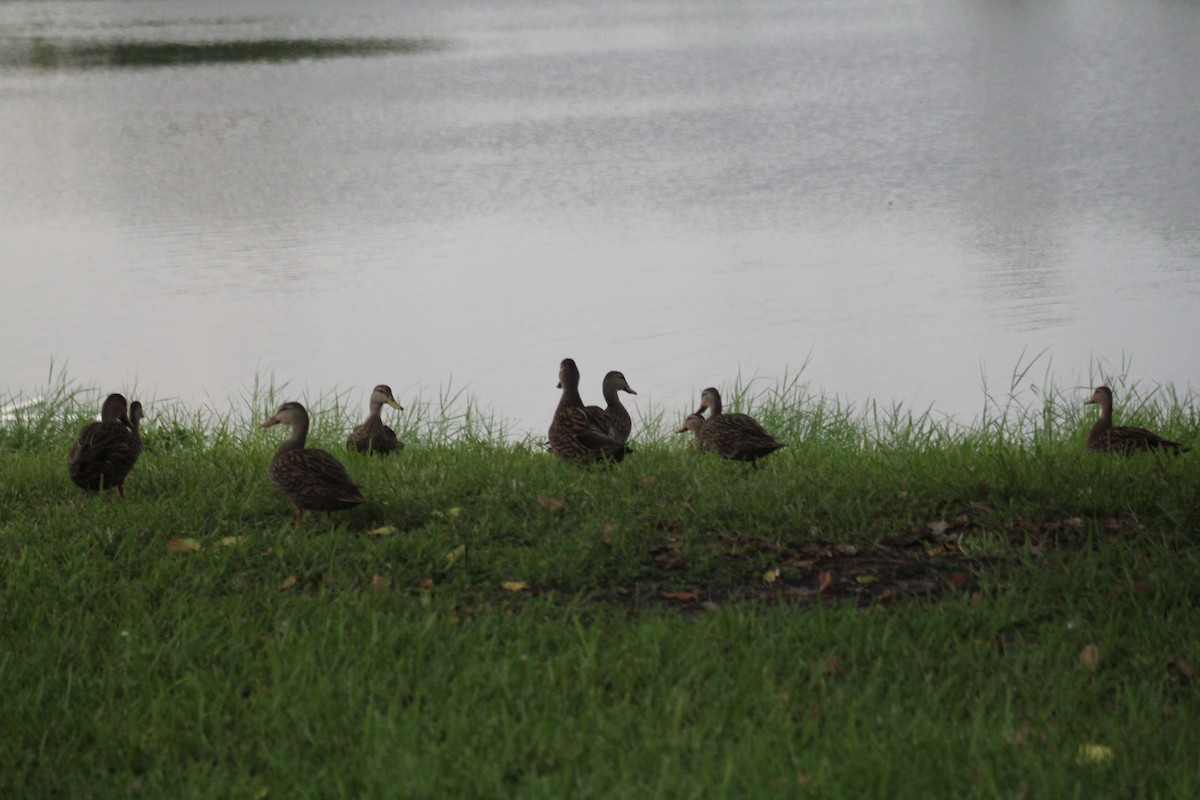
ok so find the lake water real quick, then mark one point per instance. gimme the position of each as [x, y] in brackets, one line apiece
[899, 195]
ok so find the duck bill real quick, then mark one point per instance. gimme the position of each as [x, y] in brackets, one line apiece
[395, 405]
[270, 422]
[682, 430]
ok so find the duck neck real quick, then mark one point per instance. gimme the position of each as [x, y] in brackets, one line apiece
[612, 398]
[296, 440]
[1105, 421]
[715, 407]
[570, 398]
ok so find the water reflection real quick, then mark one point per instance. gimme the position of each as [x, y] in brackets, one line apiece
[69, 54]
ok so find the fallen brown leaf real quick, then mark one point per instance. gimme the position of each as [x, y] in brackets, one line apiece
[427, 583]
[514, 586]
[184, 545]
[958, 578]
[1089, 657]
[824, 581]
[552, 503]
[686, 597]
[381, 582]
[1185, 669]
[288, 582]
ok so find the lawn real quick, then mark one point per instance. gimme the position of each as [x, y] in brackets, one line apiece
[892, 606]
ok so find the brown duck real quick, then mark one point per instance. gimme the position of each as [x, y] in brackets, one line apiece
[574, 434]
[312, 479]
[373, 436]
[613, 417]
[105, 451]
[1104, 437]
[736, 437]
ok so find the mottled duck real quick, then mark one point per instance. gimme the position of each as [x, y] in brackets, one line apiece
[311, 478]
[1104, 437]
[373, 436]
[613, 417]
[105, 451]
[736, 437]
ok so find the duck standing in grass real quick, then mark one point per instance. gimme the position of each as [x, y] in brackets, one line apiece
[1104, 437]
[613, 416]
[574, 434]
[373, 436]
[312, 479]
[105, 451]
[736, 437]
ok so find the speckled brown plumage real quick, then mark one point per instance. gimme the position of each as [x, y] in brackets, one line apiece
[311, 478]
[1104, 437]
[574, 434]
[372, 436]
[736, 437]
[104, 452]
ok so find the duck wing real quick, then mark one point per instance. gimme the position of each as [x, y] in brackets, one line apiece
[737, 437]
[576, 435]
[313, 479]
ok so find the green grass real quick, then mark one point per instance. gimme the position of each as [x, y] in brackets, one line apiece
[376, 652]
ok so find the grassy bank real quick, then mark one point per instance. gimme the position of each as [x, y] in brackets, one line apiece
[894, 606]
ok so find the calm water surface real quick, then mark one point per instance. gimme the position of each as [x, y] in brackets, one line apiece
[899, 195]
